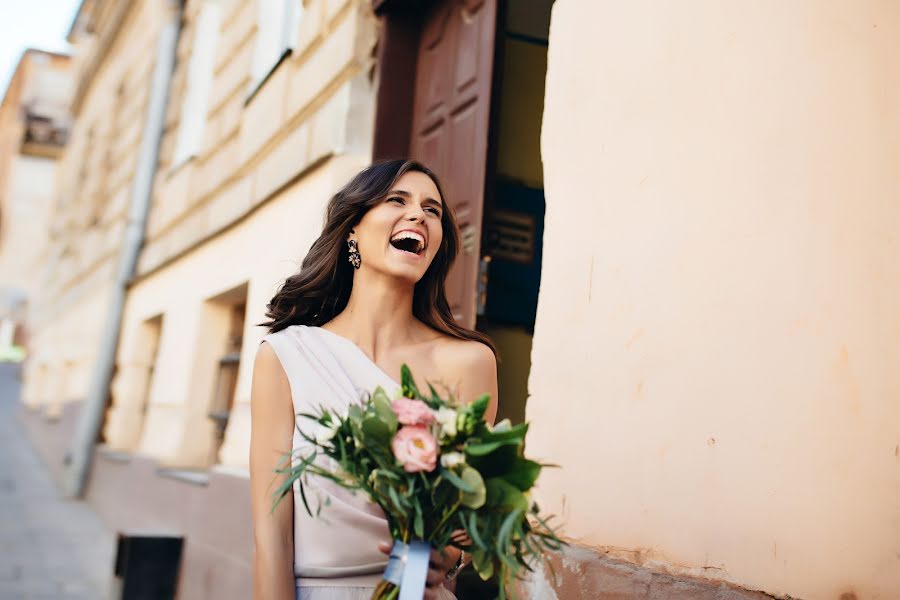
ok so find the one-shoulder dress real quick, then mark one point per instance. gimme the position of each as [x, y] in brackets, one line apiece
[336, 554]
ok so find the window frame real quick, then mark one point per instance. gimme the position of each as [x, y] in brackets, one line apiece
[194, 110]
[290, 14]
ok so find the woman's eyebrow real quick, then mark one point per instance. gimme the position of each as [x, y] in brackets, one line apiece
[406, 194]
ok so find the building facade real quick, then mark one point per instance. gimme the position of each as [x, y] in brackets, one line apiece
[34, 127]
[658, 231]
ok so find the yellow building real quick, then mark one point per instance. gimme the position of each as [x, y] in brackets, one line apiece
[677, 225]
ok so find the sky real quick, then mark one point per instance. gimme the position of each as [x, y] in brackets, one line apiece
[41, 24]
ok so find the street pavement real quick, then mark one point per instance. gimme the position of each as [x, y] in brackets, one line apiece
[50, 547]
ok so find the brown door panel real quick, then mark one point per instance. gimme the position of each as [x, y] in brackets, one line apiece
[451, 123]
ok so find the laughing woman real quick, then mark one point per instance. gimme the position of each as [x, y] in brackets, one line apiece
[369, 297]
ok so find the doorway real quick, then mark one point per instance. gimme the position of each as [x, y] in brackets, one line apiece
[461, 88]
[514, 209]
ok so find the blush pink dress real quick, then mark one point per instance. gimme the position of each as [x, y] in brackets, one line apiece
[336, 554]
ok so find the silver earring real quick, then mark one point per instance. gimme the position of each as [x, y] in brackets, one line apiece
[355, 258]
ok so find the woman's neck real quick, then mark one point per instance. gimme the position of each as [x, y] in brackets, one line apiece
[378, 314]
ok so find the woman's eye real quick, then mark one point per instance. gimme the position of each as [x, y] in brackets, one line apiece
[434, 211]
[395, 199]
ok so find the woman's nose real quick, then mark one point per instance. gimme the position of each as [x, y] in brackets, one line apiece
[417, 215]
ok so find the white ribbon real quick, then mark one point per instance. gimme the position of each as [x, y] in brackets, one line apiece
[408, 568]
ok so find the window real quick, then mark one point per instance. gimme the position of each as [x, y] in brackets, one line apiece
[227, 374]
[276, 27]
[199, 81]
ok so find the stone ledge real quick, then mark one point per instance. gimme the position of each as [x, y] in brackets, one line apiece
[581, 573]
[186, 475]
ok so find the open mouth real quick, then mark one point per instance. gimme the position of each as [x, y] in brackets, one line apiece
[407, 241]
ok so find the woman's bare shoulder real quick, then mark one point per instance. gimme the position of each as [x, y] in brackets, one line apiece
[465, 361]
[465, 353]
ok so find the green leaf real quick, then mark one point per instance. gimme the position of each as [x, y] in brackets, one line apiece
[407, 383]
[479, 406]
[436, 401]
[503, 538]
[523, 473]
[376, 432]
[516, 432]
[382, 405]
[503, 426]
[444, 493]
[396, 500]
[453, 478]
[483, 563]
[471, 528]
[484, 448]
[476, 497]
[419, 522]
[501, 494]
[496, 464]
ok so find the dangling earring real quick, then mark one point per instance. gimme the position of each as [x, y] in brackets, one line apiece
[355, 258]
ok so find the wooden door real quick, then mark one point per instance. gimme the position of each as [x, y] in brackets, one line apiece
[450, 125]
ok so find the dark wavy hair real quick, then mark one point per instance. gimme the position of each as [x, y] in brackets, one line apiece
[321, 289]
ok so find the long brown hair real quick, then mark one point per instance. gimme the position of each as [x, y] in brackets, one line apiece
[321, 289]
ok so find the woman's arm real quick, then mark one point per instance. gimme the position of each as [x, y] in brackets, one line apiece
[271, 439]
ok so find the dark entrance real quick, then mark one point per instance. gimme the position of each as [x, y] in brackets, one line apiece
[461, 87]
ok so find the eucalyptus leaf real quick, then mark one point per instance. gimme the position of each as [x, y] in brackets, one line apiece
[483, 563]
[375, 432]
[382, 405]
[478, 494]
[453, 478]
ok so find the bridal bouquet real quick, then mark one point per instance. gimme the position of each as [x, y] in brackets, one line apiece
[434, 467]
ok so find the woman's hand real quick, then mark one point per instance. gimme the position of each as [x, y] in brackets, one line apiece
[438, 565]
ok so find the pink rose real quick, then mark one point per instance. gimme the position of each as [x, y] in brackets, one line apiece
[415, 448]
[412, 412]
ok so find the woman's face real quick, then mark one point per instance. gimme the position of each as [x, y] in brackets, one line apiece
[401, 235]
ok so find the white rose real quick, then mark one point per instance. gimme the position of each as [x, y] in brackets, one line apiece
[446, 417]
[324, 433]
[452, 459]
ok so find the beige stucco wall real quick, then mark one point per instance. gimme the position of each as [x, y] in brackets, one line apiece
[90, 201]
[58, 368]
[28, 199]
[261, 251]
[717, 340]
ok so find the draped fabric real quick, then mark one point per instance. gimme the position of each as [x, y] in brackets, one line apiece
[330, 372]
[336, 554]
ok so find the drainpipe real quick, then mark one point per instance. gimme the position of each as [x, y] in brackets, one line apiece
[89, 421]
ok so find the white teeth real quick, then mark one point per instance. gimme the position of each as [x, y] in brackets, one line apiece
[410, 235]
